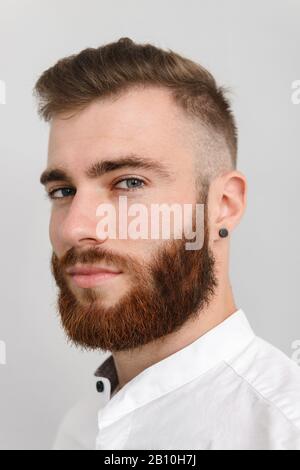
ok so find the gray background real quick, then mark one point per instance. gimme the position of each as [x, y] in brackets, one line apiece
[253, 47]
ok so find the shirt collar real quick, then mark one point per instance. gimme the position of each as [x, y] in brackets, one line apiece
[221, 343]
[108, 370]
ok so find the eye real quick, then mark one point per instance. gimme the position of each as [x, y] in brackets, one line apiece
[130, 184]
[61, 193]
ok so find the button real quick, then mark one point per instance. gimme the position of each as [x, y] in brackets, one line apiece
[100, 386]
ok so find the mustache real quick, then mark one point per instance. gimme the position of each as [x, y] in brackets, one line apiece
[93, 255]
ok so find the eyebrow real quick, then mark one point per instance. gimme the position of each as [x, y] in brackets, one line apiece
[106, 166]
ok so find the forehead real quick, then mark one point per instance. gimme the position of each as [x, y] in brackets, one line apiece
[144, 120]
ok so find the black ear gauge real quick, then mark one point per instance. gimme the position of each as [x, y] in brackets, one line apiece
[223, 232]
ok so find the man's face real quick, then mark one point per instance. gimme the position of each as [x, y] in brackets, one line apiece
[155, 285]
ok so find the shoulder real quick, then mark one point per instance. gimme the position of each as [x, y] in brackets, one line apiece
[273, 377]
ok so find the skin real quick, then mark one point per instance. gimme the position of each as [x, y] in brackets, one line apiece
[113, 127]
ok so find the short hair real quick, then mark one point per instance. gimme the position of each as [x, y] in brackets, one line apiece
[77, 80]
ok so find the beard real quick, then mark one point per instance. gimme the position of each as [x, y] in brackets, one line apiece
[174, 287]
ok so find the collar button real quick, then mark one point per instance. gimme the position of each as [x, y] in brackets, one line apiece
[100, 386]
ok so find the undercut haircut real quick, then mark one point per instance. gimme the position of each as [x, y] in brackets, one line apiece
[114, 68]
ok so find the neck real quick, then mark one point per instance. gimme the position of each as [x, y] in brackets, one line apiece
[131, 363]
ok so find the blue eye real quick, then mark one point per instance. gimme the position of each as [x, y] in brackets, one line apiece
[61, 193]
[130, 184]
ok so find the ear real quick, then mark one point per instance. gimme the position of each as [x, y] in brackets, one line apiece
[228, 200]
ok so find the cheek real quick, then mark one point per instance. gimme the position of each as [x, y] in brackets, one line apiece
[55, 233]
[140, 250]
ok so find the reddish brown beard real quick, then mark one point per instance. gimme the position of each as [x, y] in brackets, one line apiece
[172, 289]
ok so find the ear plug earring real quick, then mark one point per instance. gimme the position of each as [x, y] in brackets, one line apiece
[223, 232]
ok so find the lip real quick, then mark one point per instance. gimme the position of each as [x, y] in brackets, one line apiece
[91, 276]
[89, 270]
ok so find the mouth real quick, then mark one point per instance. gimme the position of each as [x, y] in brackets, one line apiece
[91, 276]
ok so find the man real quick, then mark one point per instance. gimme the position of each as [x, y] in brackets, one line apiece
[186, 371]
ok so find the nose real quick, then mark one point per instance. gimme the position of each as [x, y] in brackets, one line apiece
[79, 226]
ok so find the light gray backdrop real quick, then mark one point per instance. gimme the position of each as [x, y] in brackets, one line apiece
[251, 46]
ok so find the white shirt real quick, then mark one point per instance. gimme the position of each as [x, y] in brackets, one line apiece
[228, 390]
